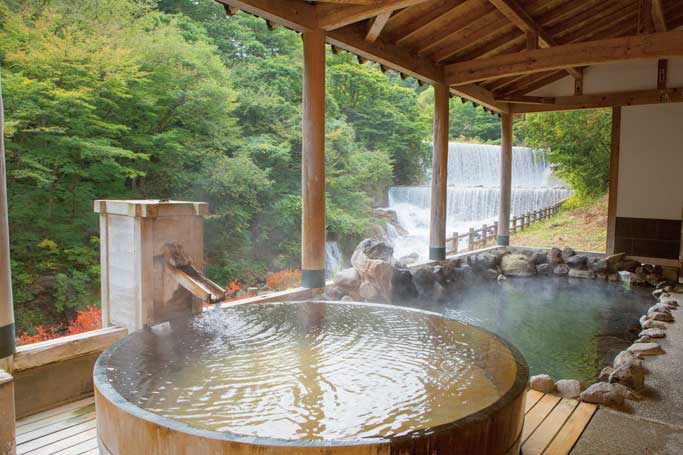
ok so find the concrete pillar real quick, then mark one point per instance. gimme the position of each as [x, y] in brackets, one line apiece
[313, 162]
[7, 415]
[505, 180]
[138, 288]
[7, 343]
[437, 226]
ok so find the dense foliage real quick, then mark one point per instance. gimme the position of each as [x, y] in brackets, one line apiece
[578, 143]
[172, 99]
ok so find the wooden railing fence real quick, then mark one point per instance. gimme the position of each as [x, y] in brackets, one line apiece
[478, 238]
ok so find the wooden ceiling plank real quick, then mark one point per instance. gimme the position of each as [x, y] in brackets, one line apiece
[292, 14]
[414, 17]
[334, 16]
[377, 26]
[579, 21]
[658, 17]
[631, 48]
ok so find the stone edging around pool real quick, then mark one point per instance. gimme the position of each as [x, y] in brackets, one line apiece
[375, 276]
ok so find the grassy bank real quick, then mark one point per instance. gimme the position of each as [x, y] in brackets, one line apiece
[580, 226]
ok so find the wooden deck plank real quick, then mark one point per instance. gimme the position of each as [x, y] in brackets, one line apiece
[59, 446]
[532, 397]
[546, 431]
[571, 431]
[77, 415]
[80, 449]
[92, 452]
[56, 411]
[537, 414]
[56, 437]
[56, 426]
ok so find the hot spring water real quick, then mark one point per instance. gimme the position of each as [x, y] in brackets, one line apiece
[473, 193]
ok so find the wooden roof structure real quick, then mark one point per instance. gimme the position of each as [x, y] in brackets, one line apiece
[495, 52]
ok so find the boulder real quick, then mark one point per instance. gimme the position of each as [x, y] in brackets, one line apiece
[626, 358]
[664, 307]
[538, 258]
[576, 273]
[409, 259]
[333, 293]
[605, 373]
[371, 249]
[440, 275]
[651, 324]
[653, 333]
[630, 375]
[544, 269]
[542, 383]
[554, 256]
[490, 274]
[369, 292]
[567, 253]
[669, 299]
[561, 269]
[643, 349]
[347, 298]
[348, 279]
[568, 388]
[660, 316]
[379, 273]
[516, 265]
[402, 287]
[601, 265]
[423, 278]
[607, 393]
[577, 262]
[484, 261]
[628, 264]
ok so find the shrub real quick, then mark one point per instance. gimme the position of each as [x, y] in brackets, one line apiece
[284, 279]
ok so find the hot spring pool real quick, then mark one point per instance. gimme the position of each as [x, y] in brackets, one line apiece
[311, 377]
[568, 328]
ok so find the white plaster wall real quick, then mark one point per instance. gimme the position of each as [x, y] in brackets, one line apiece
[617, 77]
[651, 162]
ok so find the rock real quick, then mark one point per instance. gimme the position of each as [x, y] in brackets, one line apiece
[651, 324]
[643, 349]
[607, 393]
[423, 278]
[653, 333]
[516, 265]
[440, 275]
[600, 265]
[402, 287]
[379, 273]
[568, 388]
[538, 258]
[542, 383]
[409, 259]
[660, 316]
[628, 265]
[554, 256]
[613, 261]
[567, 253]
[577, 262]
[484, 261]
[544, 269]
[561, 269]
[576, 273]
[333, 292]
[664, 307]
[369, 292]
[613, 277]
[605, 373]
[501, 277]
[347, 298]
[669, 299]
[490, 274]
[630, 375]
[371, 249]
[348, 279]
[625, 358]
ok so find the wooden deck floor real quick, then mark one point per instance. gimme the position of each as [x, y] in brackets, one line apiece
[552, 426]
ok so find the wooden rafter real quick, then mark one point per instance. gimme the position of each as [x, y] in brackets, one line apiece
[412, 18]
[523, 20]
[632, 98]
[629, 48]
[377, 26]
[657, 12]
[334, 16]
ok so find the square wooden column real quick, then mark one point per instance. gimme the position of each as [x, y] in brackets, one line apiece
[7, 343]
[313, 162]
[613, 180]
[437, 226]
[505, 180]
[7, 415]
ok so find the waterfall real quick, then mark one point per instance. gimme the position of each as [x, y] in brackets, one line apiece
[334, 261]
[473, 193]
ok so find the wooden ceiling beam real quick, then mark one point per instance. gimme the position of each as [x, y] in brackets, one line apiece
[377, 26]
[292, 14]
[657, 12]
[414, 17]
[632, 98]
[334, 16]
[479, 95]
[523, 20]
[631, 48]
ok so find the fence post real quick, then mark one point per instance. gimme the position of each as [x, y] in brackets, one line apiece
[514, 224]
[455, 242]
[484, 234]
[495, 229]
[470, 240]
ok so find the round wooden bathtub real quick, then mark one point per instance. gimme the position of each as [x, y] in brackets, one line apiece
[130, 425]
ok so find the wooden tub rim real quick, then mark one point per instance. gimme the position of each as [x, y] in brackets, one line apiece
[102, 385]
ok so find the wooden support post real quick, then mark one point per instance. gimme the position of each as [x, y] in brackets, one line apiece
[505, 180]
[437, 226]
[455, 242]
[7, 415]
[470, 239]
[313, 162]
[613, 180]
[7, 342]
[484, 234]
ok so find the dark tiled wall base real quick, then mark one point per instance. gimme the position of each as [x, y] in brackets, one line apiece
[648, 237]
